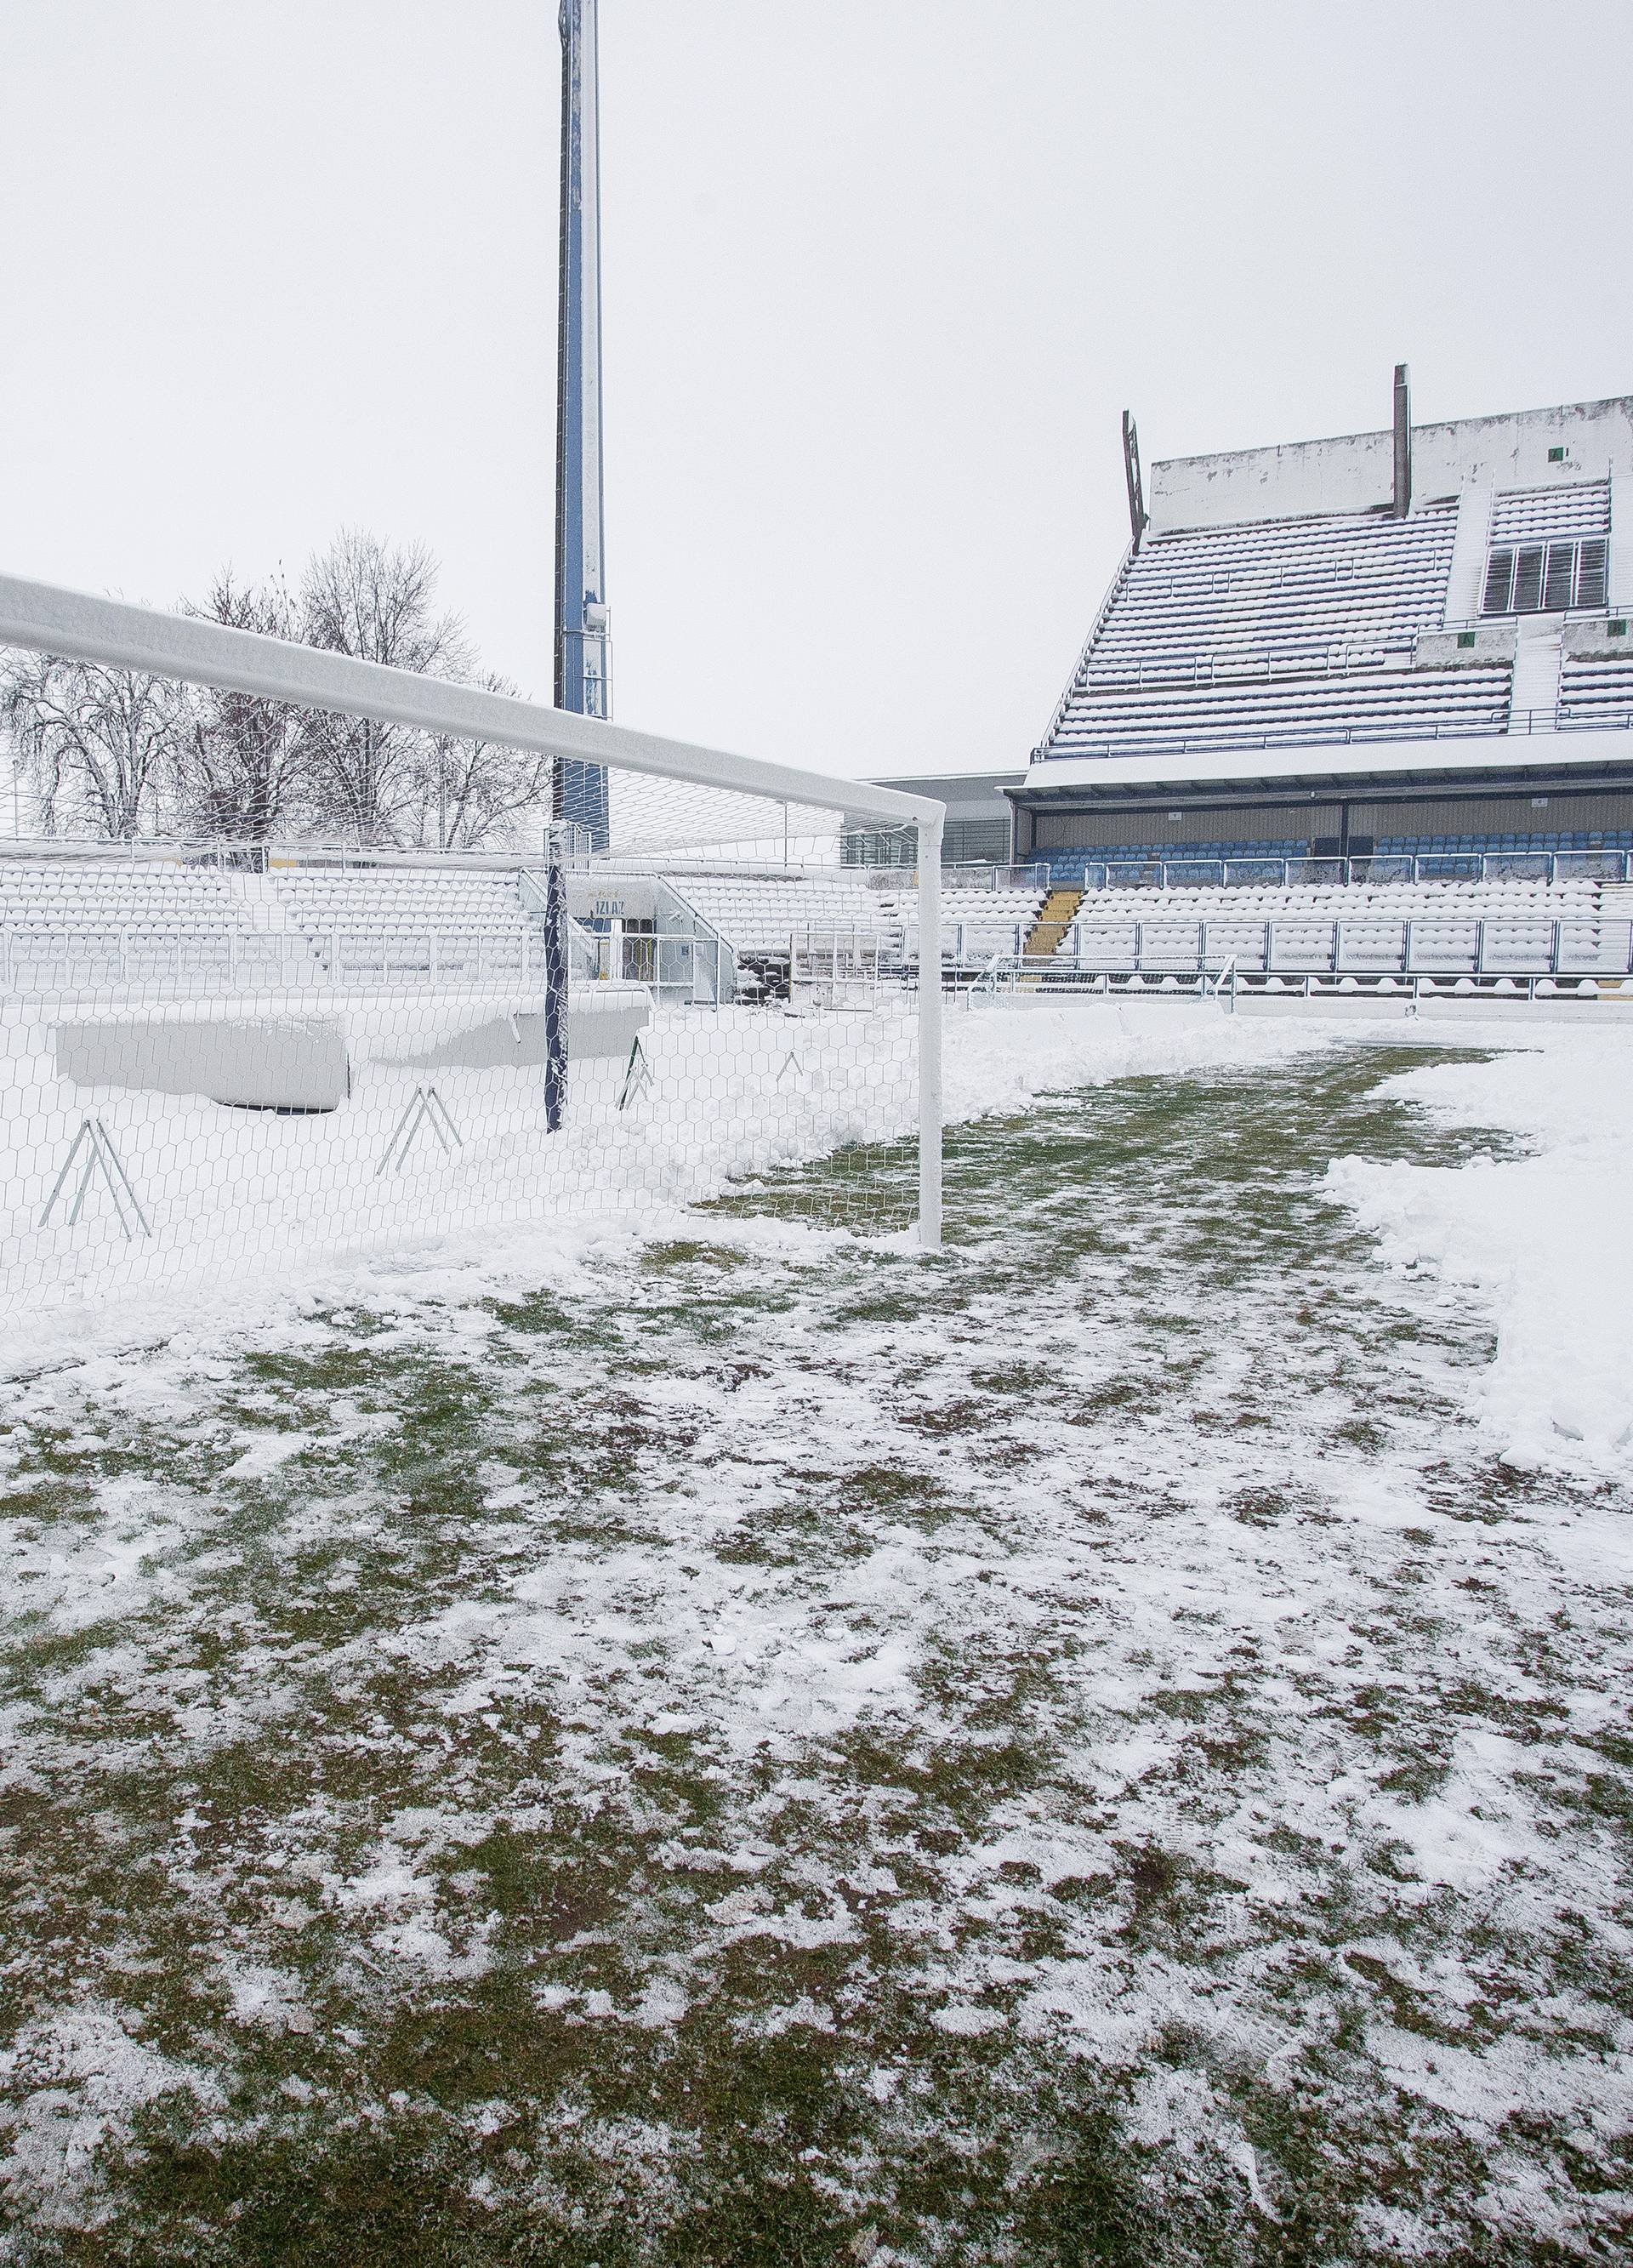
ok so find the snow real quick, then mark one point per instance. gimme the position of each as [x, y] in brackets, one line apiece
[1543, 1240]
[1101, 1649]
[263, 1204]
[80, 2076]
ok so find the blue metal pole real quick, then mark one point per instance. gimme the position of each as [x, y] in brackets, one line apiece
[583, 643]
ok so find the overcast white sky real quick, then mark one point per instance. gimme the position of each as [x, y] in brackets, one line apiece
[880, 276]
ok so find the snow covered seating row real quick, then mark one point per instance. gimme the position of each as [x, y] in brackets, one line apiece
[111, 890]
[1468, 940]
[320, 901]
[1280, 630]
[1596, 689]
[1277, 596]
[120, 922]
[762, 915]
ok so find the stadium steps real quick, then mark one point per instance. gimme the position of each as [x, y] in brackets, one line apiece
[1054, 917]
[1537, 666]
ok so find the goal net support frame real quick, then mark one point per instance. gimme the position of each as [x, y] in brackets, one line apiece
[78, 625]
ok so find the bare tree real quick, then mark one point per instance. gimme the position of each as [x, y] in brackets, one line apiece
[377, 601]
[475, 791]
[241, 762]
[94, 742]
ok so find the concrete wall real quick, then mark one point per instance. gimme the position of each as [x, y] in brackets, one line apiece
[1494, 641]
[1243, 822]
[1354, 472]
[1552, 813]
[612, 897]
[1594, 639]
[1560, 812]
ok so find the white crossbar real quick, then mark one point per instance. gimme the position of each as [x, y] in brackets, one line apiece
[51, 620]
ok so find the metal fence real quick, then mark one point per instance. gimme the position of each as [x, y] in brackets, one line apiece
[1549, 866]
[1010, 979]
[1433, 946]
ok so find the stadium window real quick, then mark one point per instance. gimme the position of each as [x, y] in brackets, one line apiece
[1555, 456]
[1559, 578]
[1591, 563]
[1545, 578]
[1528, 599]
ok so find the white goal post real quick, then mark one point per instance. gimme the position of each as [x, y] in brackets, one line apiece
[49, 619]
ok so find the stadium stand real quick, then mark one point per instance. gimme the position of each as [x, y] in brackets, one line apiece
[1294, 631]
[1440, 928]
[759, 915]
[763, 918]
[122, 918]
[1400, 644]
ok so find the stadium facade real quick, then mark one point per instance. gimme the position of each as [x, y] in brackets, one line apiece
[1415, 641]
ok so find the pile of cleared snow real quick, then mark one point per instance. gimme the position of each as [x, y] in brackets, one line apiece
[1546, 1238]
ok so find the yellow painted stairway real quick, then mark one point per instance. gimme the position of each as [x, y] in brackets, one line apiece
[1055, 916]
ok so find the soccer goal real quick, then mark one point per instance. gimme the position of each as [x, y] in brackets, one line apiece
[224, 1053]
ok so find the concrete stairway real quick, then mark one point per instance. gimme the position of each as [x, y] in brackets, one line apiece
[1537, 665]
[1055, 916]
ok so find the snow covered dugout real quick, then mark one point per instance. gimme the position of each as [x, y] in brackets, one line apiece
[273, 1054]
[157, 1125]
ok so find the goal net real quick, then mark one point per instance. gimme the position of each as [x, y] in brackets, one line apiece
[250, 1053]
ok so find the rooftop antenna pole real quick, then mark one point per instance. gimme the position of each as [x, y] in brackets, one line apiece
[583, 640]
[1402, 497]
[1139, 519]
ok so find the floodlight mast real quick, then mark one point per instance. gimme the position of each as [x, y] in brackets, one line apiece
[583, 642]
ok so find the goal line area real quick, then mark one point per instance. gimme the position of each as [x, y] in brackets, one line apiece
[239, 1052]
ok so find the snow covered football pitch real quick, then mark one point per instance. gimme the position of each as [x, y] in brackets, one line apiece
[726, 1742]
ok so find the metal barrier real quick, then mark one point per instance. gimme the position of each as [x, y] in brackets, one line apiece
[195, 957]
[1473, 944]
[1549, 866]
[682, 969]
[1007, 978]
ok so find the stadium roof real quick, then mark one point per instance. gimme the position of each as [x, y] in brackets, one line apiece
[1585, 752]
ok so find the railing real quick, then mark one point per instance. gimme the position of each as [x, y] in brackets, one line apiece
[720, 958]
[682, 970]
[1497, 724]
[1550, 866]
[1227, 970]
[1007, 978]
[1034, 876]
[70, 956]
[258, 856]
[1428, 945]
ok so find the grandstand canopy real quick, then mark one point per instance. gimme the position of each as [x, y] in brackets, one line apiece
[979, 820]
